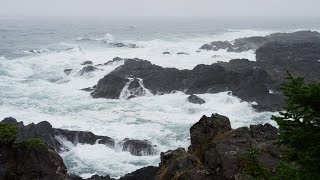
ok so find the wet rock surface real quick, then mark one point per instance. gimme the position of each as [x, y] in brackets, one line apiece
[217, 151]
[28, 158]
[250, 84]
[87, 63]
[51, 136]
[87, 69]
[255, 42]
[139, 147]
[259, 82]
[195, 99]
[67, 71]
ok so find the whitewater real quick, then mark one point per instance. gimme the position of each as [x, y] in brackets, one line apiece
[34, 88]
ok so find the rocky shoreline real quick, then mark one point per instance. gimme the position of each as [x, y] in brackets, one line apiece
[253, 81]
[216, 151]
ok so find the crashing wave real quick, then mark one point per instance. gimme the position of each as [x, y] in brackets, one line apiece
[36, 51]
[134, 88]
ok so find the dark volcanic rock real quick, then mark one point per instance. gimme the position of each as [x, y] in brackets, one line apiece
[84, 137]
[298, 58]
[138, 147]
[67, 71]
[208, 127]
[94, 177]
[120, 44]
[146, 173]
[39, 162]
[177, 164]
[257, 82]
[52, 136]
[253, 43]
[24, 160]
[155, 78]
[196, 99]
[218, 152]
[109, 87]
[216, 45]
[182, 53]
[89, 89]
[87, 69]
[87, 63]
[202, 79]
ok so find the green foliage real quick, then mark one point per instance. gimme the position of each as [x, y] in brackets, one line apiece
[8, 133]
[253, 167]
[31, 143]
[299, 127]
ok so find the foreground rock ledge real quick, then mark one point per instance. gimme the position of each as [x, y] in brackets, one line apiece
[216, 152]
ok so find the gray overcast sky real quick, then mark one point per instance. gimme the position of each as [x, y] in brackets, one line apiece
[160, 8]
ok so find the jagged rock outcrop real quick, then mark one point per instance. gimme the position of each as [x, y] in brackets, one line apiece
[138, 147]
[255, 42]
[53, 136]
[113, 61]
[259, 82]
[300, 59]
[67, 71]
[195, 99]
[87, 69]
[109, 87]
[250, 84]
[87, 63]
[28, 159]
[146, 173]
[218, 152]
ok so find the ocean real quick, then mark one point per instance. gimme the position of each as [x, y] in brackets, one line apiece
[34, 52]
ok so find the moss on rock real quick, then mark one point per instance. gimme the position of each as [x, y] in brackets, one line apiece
[8, 133]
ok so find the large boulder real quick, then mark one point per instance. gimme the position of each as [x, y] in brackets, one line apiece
[195, 99]
[177, 164]
[218, 152]
[208, 127]
[139, 147]
[109, 87]
[87, 69]
[146, 173]
[29, 158]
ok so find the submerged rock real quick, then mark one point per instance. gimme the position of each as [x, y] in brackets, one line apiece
[182, 53]
[138, 147]
[206, 128]
[87, 63]
[120, 44]
[195, 99]
[67, 71]
[87, 69]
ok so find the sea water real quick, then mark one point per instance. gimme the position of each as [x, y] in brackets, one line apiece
[34, 87]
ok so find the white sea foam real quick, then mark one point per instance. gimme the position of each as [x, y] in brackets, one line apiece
[35, 88]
